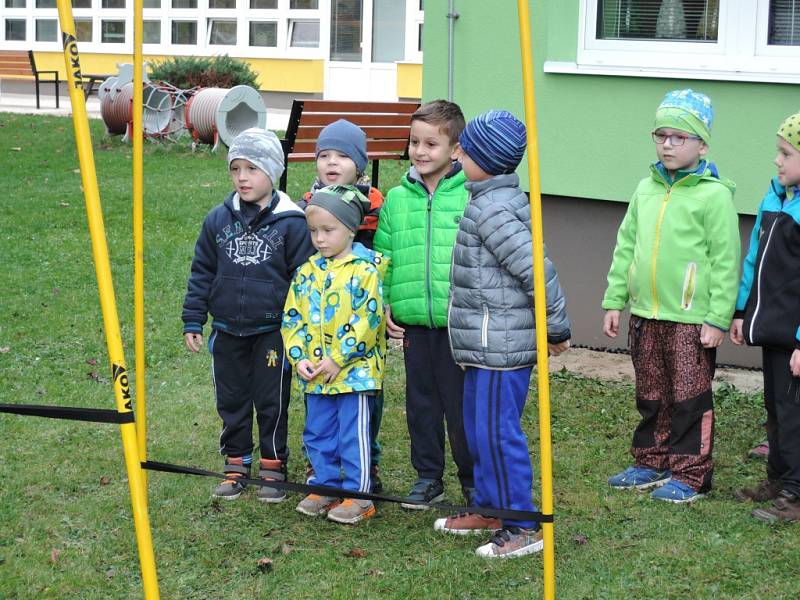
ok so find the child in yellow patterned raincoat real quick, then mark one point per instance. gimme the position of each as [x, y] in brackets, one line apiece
[334, 332]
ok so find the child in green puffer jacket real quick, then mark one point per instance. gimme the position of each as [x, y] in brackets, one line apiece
[676, 263]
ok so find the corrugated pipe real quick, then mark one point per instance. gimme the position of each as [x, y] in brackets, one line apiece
[159, 106]
[116, 106]
[216, 114]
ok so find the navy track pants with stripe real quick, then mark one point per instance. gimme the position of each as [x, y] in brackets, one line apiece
[493, 405]
[337, 440]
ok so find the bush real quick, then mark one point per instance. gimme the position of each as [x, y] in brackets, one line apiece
[205, 71]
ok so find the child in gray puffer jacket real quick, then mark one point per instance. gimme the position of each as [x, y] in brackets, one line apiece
[492, 330]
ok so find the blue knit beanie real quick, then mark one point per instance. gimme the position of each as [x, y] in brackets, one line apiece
[687, 111]
[495, 140]
[346, 138]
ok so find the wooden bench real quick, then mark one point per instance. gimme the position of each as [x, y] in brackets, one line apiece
[387, 125]
[23, 63]
[91, 82]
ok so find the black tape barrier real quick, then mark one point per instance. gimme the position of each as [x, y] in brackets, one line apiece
[324, 490]
[94, 415]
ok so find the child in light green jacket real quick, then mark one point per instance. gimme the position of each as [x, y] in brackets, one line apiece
[676, 264]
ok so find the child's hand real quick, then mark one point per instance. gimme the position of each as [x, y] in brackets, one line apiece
[394, 330]
[710, 336]
[328, 369]
[794, 363]
[736, 332]
[305, 369]
[611, 323]
[559, 348]
[194, 341]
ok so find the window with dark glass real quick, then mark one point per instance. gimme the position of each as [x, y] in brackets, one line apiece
[151, 32]
[113, 3]
[304, 4]
[15, 3]
[268, 4]
[112, 32]
[221, 32]
[83, 29]
[305, 34]
[346, 30]
[15, 30]
[46, 30]
[264, 34]
[660, 20]
[784, 23]
[184, 3]
[184, 32]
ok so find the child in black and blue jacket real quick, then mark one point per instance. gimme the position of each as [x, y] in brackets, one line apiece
[768, 315]
[245, 257]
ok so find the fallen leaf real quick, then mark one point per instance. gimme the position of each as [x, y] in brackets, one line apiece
[16, 149]
[205, 185]
[56, 291]
[91, 361]
[105, 480]
[264, 564]
[76, 170]
[356, 553]
[4, 349]
[54, 553]
[580, 539]
[284, 549]
[110, 573]
[93, 375]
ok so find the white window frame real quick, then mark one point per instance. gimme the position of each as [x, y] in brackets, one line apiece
[414, 18]
[741, 52]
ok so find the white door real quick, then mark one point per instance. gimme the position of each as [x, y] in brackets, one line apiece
[366, 38]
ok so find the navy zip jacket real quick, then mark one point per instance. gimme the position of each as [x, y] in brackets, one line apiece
[240, 272]
[769, 292]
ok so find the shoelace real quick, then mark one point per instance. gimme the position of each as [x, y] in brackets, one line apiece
[502, 536]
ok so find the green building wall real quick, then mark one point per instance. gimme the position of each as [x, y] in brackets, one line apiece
[593, 130]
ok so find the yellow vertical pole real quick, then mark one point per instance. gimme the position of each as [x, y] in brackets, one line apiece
[138, 233]
[107, 299]
[539, 298]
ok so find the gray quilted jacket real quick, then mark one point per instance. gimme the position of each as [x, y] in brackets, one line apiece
[491, 319]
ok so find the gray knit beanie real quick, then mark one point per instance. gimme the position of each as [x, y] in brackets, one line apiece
[344, 202]
[346, 138]
[262, 148]
[495, 140]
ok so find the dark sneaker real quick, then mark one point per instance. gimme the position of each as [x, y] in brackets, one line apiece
[640, 478]
[271, 470]
[467, 524]
[375, 479]
[511, 542]
[231, 488]
[352, 511]
[424, 490]
[677, 493]
[315, 506]
[764, 491]
[786, 507]
[761, 451]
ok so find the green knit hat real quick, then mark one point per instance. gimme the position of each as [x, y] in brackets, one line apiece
[345, 202]
[687, 111]
[790, 130]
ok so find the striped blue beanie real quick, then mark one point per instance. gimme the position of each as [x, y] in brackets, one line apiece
[495, 140]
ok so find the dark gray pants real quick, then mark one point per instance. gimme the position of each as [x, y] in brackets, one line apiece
[434, 394]
[782, 401]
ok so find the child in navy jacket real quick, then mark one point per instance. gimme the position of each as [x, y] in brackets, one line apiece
[247, 252]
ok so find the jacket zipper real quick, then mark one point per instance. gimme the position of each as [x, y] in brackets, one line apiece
[242, 285]
[758, 282]
[428, 234]
[657, 243]
[485, 328]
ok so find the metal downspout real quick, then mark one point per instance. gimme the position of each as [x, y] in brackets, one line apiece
[452, 15]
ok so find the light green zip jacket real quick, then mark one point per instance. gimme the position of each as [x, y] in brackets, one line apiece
[677, 253]
[417, 231]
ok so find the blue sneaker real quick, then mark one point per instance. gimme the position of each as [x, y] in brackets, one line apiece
[677, 493]
[641, 478]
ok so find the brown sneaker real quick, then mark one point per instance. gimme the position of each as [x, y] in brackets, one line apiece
[467, 524]
[352, 511]
[786, 507]
[511, 542]
[766, 490]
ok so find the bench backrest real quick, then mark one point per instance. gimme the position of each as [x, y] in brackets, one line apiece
[15, 63]
[387, 125]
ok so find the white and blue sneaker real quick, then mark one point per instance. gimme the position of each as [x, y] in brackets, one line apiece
[677, 493]
[640, 478]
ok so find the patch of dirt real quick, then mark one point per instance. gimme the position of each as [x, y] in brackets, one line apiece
[611, 366]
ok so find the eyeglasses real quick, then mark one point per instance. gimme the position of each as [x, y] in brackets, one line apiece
[675, 139]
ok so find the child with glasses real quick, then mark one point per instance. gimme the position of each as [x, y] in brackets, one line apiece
[676, 264]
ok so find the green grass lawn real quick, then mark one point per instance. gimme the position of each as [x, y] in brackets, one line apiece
[66, 529]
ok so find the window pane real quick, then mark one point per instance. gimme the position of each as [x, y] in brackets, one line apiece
[81, 3]
[784, 23]
[45, 3]
[184, 3]
[222, 33]
[15, 3]
[112, 32]
[264, 34]
[184, 32]
[46, 30]
[113, 4]
[346, 30]
[264, 4]
[686, 20]
[15, 30]
[305, 34]
[151, 32]
[388, 31]
[83, 30]
[304, 4]
[152, 4]
[221, 3]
